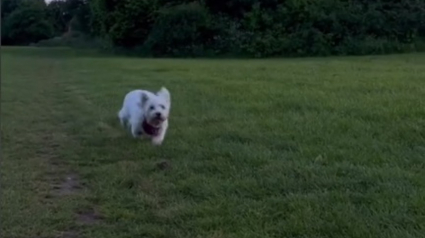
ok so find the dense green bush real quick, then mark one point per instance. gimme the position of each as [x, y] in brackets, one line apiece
[72, 39]
[235, 27]
[322, 27]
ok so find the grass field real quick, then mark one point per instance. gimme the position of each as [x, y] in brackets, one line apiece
[329, 147]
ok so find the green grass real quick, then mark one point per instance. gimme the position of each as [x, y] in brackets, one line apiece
[326, 147]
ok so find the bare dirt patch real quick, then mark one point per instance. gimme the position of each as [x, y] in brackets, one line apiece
[63, 182]
[163, 165]
[70, 185]
[89, 217]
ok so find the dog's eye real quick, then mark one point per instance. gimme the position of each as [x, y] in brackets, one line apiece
[151, 107]
[162, 106]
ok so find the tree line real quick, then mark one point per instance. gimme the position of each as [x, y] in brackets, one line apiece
[253, 28]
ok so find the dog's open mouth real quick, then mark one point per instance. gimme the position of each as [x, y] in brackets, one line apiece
[150, 129]
[157, 121]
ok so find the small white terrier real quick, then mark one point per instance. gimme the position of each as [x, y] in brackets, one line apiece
[146, 114]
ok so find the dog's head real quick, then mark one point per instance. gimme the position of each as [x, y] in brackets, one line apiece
[156, 106]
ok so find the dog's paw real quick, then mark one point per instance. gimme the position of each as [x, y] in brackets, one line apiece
[138, 134]
[156, 142]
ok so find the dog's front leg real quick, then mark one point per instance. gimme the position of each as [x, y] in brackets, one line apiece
[135, 129]
[157, 140]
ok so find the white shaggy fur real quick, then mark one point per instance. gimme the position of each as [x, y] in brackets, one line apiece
[146, 114]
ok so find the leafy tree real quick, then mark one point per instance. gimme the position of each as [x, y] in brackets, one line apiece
[8, 6]
[26, 24]
[126, 23]
[181, 30]
[69, 14]
[60, 15]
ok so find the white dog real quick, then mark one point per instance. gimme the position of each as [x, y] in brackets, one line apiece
[146, 114]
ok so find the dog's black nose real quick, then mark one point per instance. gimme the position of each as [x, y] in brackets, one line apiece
[158, 114]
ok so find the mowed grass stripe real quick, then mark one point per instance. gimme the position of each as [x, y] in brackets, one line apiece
[315, 147]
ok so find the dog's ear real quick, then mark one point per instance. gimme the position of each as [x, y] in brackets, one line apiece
[143, 100]
[163, 92]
